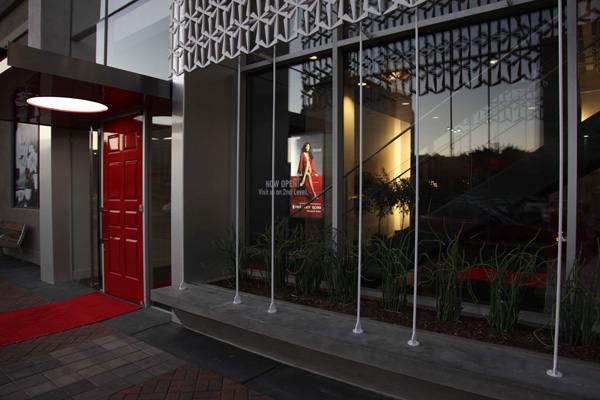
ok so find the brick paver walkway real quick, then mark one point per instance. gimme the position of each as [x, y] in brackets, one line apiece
[13, 297]
[97, 362]
[187, 383]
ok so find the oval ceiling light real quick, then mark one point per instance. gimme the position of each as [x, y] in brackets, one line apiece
[67, 104]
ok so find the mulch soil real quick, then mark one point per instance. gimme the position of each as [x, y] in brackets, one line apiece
[467, 327]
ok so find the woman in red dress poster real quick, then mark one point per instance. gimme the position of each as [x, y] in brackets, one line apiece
[306, 169]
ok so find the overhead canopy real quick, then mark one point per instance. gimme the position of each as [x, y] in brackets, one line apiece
[31, 72]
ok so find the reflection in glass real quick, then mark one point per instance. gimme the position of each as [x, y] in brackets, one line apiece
[488, 134]
[394, 15]
[114, 5]
[302, 172]
[138, 38]
[588, 138]
[161, 204]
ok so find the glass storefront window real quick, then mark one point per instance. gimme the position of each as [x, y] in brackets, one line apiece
[302, 173]
[114, 5]
[588, 139]
[160, 182]
[488, 135]
[138, 38]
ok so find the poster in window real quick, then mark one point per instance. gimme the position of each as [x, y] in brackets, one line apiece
[26, 173]
[306, 163]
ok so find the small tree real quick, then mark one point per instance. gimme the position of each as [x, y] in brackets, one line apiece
[382, 195]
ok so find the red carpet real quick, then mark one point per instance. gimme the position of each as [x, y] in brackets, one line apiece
[29, 323]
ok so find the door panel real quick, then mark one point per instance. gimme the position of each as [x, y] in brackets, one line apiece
[123, 220]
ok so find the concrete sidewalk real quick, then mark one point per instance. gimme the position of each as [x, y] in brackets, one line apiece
[140, 355]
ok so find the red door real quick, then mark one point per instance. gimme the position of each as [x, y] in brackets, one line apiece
[122, 213]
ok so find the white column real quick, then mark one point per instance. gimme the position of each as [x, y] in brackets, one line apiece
[237, 299]
[272, 307]
[177, 188]
[413, 340]
[358, 327]
[554, 372]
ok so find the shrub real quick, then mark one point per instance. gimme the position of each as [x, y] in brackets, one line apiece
[580, 306]
[509, 273]
[339, 269]
[445, 269]
[280, 256]
[395, 264]
[306, 260]
[229, 250]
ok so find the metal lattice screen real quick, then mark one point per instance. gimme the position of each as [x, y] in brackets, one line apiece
[210, 31]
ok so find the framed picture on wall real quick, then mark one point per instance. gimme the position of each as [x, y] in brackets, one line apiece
[27, 161]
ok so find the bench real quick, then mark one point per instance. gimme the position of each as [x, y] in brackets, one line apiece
[11, 236]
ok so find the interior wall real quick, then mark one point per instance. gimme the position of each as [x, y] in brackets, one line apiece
[27, 216]
[378, 129]
[209, 180]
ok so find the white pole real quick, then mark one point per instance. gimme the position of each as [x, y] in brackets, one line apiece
[358, 328]
[554, 372]
[237, 299]
[272, 307]
[413, 340]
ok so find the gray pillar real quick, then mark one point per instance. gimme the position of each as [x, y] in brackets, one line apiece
[50, 25]
[45, 182]
[55, 205]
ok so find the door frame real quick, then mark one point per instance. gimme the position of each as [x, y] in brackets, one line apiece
[146, 255]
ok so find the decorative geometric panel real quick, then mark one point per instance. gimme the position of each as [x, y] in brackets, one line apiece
[210, 31]
[399, 16]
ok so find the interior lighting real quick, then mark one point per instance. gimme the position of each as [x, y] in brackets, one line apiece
[435, 117]
[397, 75]
[67, 104]
[364, 83]
[314, 58]
[531, 108]
[406, 103]
[494, 61]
